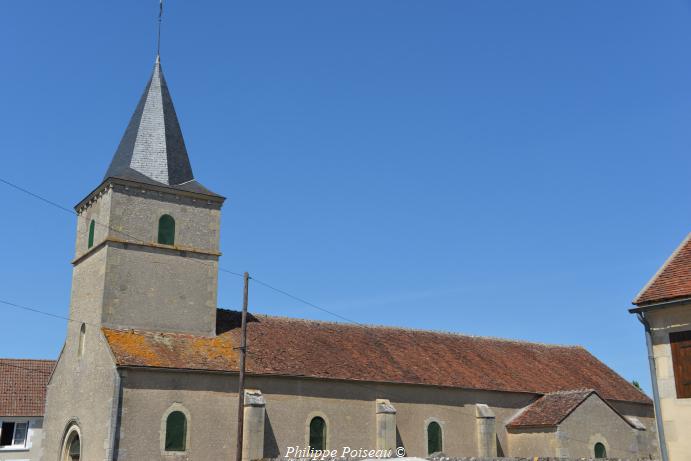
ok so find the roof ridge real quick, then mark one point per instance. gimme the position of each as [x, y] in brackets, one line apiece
[411, 329]
[10, 359]
[572, 391]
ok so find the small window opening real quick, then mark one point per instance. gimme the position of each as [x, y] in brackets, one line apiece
[434, 440]
[318, 433]
[13, 434]
[176, 431]
[166, 230]
[600, 450]
[92, 226]
[82, 339]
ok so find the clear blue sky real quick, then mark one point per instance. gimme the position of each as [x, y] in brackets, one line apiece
[513, 169]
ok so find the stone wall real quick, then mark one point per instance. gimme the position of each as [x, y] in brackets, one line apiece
[128, 280]
[675, 412]
[368, 416]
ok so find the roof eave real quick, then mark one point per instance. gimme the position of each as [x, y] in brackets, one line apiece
[532, 426]
[355, 381]
[159, 188]
[656, 305]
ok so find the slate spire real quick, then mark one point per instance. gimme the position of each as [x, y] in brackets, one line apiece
[152, 150]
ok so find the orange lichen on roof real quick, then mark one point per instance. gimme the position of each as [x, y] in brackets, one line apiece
[172, 350]
[327, 350]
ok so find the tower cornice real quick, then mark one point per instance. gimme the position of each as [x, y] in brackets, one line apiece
[109, 183]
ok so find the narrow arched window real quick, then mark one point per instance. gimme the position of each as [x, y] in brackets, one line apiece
[434, 440]
[92, 226]
[600, 450]
[176, 431]
[318, 433]
[72, 450]
[166, 230]
[82, 339]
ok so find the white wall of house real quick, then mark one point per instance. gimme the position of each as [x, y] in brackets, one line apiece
[26, 436]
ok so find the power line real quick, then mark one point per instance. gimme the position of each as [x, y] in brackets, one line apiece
[111, 228]
[36, 196]
[220, 269]
[297, 298]
[379, 391]
[56, 316]
[36, 311]
[49, 314]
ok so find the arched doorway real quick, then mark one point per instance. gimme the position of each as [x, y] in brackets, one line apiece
[72, 449]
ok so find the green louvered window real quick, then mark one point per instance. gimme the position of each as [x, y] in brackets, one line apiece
[434, 441]
[92, 226]
[318, 433]
[176, 431]
[166, 230]
[600, 450]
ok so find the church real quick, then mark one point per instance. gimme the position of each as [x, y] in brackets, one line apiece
[149, 367]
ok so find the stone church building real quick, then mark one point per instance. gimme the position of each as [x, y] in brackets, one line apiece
[149, 367]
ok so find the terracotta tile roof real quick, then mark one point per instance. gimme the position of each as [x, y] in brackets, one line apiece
[23, 386]
[293, 347]
[553, 408]
[550, 409]
[672, 281]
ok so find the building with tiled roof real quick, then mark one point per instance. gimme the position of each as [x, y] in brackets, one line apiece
[152, 372]
[22, 401]
[664, 308]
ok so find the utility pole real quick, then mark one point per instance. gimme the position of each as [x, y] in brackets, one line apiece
[241, 377]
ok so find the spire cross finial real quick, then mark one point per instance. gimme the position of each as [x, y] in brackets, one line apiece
[158, 42]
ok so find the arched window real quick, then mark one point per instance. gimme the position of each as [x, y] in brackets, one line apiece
[318, 433]
[92, 226]
[166, 230]
[82, 338]
[176, 431]
[434, 441]
[72, 450]
[600, 450]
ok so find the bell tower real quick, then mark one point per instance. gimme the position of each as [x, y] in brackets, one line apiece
[147, 243]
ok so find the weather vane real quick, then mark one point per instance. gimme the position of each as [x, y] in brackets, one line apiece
[160, 16]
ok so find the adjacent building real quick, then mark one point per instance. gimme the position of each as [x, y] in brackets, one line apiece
[150, 364]
[22, 399]
[664, 308]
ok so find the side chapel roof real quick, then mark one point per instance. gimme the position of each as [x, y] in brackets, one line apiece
[552, 409]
